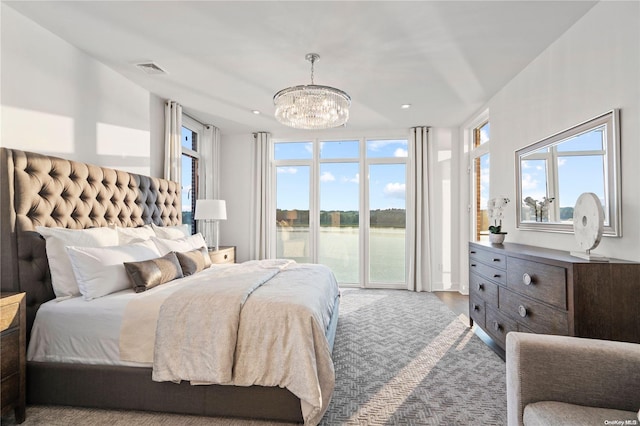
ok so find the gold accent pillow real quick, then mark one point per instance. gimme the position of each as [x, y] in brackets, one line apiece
[153, 272]
[194, 261]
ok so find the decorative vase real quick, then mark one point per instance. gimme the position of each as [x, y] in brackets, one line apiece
[496, 238]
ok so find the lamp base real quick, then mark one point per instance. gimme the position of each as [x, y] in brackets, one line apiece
[589, 256]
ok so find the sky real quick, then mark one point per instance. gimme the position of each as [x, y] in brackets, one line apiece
[580, 168]
[340, 181]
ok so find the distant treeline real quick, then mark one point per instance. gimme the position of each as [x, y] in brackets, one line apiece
[566, 213]
[389, 218]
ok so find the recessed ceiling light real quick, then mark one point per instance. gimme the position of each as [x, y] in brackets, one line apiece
[405, 106]
[255, 111]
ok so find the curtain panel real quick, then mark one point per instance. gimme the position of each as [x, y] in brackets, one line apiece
[418, 208]
[261, 205]
[209, 185]
[172, 140]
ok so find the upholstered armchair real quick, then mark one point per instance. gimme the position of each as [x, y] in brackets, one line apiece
[559, 380]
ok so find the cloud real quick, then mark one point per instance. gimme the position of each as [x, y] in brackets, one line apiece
[287, 170]
[561, 161]
[528, 182]
[355, 179]
[395, 190]
[484, 136]
[327, 177]
[400, 152]
[379, 144]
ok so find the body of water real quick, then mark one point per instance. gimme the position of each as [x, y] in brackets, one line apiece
[339, 249]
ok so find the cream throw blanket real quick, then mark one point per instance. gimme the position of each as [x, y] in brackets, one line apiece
[261, 322]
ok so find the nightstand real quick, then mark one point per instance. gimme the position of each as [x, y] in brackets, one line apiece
[223, 255]
[13, 342]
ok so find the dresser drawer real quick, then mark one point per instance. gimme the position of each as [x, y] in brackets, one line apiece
[485, 256]
[477, 310]
[534, 315]
[499, 325]
[9, 351]
[546, 282]
[495, 274]
[9, 316]
[483, 288]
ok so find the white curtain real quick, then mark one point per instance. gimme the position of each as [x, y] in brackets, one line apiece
[172, 140]
[418, 205]
[260, 212]
[209, 187]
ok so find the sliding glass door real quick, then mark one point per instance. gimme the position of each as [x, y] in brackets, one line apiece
[327, 213]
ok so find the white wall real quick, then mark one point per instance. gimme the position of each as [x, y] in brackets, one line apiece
[57, 100]
[236, 189]
[592, 68]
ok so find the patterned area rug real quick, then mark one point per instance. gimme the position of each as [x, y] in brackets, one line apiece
[401, 358]
[404, 358]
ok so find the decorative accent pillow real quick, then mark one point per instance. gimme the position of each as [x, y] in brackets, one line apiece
[194, 261]
[153, 272]
[63, 279]
[100, 270]
[134, 235]
[180, 245]
[171, 232]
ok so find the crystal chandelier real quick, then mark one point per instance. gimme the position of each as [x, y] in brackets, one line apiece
[312, 106]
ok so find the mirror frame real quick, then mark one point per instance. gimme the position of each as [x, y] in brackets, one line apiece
[612, 174]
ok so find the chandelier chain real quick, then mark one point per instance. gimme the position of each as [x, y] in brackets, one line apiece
[312, 63]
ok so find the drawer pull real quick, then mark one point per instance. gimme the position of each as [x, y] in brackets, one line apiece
[472, 252]
[526, 279]
[496, 275]
[476, 307]
[496, 260]
[496, 326]
[226, 256]
[480, 286]
[522, 311]
[473, 265]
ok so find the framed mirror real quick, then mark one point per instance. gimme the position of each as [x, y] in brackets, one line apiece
[552, 173]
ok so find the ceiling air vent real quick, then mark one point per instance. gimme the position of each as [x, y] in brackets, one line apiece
[151, 68]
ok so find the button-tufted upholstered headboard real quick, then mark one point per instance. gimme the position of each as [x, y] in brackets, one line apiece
[37, 190]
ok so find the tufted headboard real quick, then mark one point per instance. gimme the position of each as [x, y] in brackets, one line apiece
[37, 190]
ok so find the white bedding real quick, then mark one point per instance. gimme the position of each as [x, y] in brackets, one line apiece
[85, 332]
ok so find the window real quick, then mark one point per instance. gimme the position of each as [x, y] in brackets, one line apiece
[327, 213]
[480, 166]
[191, 134]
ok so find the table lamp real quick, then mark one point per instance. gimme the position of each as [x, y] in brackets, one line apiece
[212, 210]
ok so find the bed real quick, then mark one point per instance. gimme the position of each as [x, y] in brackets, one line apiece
[41, 190]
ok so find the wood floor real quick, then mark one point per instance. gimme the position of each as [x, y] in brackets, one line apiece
[459, 304]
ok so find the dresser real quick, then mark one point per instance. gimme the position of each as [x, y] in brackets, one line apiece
[223, 255]
[13, 342]
[516, 287]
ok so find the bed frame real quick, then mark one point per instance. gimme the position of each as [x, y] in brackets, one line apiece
[41, 190]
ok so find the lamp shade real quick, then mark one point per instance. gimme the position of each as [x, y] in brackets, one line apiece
[211, 210]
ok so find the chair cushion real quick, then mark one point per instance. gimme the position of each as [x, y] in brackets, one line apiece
[562, 414]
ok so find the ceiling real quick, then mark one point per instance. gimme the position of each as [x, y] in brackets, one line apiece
[227, 58]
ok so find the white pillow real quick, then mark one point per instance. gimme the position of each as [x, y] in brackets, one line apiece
[171, 232]
[130, 235]
[180, 245]
[62, 278]
[100, 270]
